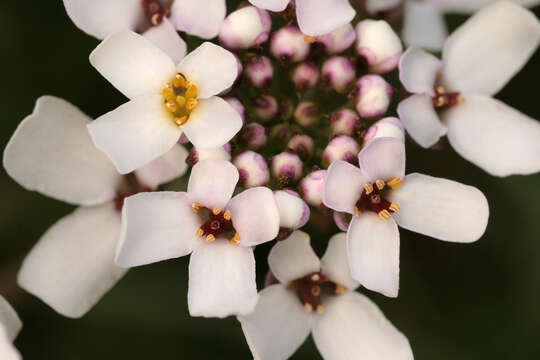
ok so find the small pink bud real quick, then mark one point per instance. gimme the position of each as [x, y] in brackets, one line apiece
[372, 96]
[307, 114]
[312, 187]
[252, 168]
[254, 136]
[338, 40]
[244, 28]
[237, 105]
[288, 45]
[221, 153]
[379, 45]
[344, 122]
[303, 145]
[387, 127]
[287, 168]
[341, 148]
[265, 107]
[259, 71]
[338, 73]
[305, 76]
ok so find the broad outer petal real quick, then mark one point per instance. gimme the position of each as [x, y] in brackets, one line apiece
[421, 120]
[319, 17]
[100, 18]
[383, 159]
[441, 208]
[481, 56]
[7, 349]
[373, 248]
[494, 136]
[278, 325]
[221, 280]
[211, 68]
[470, 6]
[418, 71]
[165, 37]
[293, 258]
[133, 64]
[212, 183]
[156, 226]
[424, 25]
[212, 124]
[135, 133]
[272, 5]
[293, 211]
[51, 152]
[165, 168]
[9, 319]
[255, 216]
[335, 262]
[202, 18]
[353, 327]
[72, 265]
[343, 186]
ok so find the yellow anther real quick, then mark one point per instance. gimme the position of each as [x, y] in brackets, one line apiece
[357, 211]
[440, 90]
[196, 207]
[227, 215]
[216, 210]
[441, 101]
[168, 92]
[460, 100]
[172, 107]
[315, 277]
[380, 184]
[179, 81]
[394, 207]
[369, 188]
[320, 309]
[199, 232]
[308, 307]
[385, 214]
[181, 120]
[236, 239]
[191, 104]
[309, 39]
[210, 238]
[191, 91]
[316, 291]
[395, 183]
[155, 19]
[340, 289]
[180, 100]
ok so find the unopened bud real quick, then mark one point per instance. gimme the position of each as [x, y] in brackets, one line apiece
[259, 71]
[254, 136]
[286, 108]
[307, 114]
[305, 76]
[338, 40]
[342, 220]
[338, 73]
[387, 127]
[379, 45]
[288, 45]
[265, 107]
[237, 105]
[372, 96]
[303, 145]
[341, 148]
[312, 187]
[344, 122]
[252, 168]
[287, 168]
[244, 28]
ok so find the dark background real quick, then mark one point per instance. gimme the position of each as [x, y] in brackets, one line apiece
[476, 301]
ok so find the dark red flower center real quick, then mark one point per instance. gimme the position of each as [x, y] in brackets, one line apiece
[444, 100]
[372, 199]
[216, 222]
[311, 288]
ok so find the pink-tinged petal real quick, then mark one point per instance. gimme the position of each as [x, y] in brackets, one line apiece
[255, 216]
[72, 265]
[165, 168]
[418, 71]
[293, 258]
[210, 67]
[7, 350]
[494, 136]
[212, 183]
[165, 37]
[221, 280]
[132, 64]
[319, 17]
[293, 211]
[470, 6]
[156, 226]
[135, 133]
[373, 248]
[383, 159]
[441, 208]
[202, 18]
[212, 123]
[481, 56]
[343, 186]
[335, 262]
[100, 18]
[353, 327]
[278, 325]
[51, 152]
[272, 5]
[421, 120]
[424, 25]
[9, 320]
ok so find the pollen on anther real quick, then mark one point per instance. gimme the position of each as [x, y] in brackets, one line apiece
[227, 215]
[210, 238]
[216, 210]
[236, 239]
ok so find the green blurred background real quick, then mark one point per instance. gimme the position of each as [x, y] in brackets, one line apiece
[477, 301]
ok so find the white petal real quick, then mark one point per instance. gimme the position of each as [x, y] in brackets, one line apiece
[7, 350]
[212, 183]
[132, 64]
[335, 262]
[202, 18]
[482, 56]
[319, 17]
[494, 136]
[255, 216]
[293, 258]
[292, 210]
[421, 120]
[424, 25]
[343, 186]
[353, 327]
[221, 280]
[418, 71]
[441, 208]
[135, 133]
[51, 152]
[374, 6]
[278, 325]
[9, 319]
[212, 123]
[470, 6]
[210, 67]
[100, 18]
[272, 5]
[383, 159]
[165, 37]
[373, 248]
[72, 265]
[165, 168]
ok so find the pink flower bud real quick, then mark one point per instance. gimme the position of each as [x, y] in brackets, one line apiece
[379, 45]
[265, 107]
[338, 73]
[372, 96]
[312, 187]
[287, 168]
[221, 153]
[338, 40]
[307, 114]
[254, 136]
[252, 168]
[387, 127]
[341, 148]
[288, 45]
[305, 76]
[244, 28]
[259, 71]
[302, 145]
[344, 122]
[237, 105]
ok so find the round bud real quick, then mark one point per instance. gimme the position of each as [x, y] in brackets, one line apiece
[252, 168]
[372, 96]
[338, 40]
[220, 153]
[379, 45]
[342, 220]
[259, 71]
[338, 73]
[312, 187]
[254, 136]
[303, 145]
[387, 127]
[288, 45]
[237, 105]
[307, 114]
[265, 107]
[244, 28]
[344, 122]
[305, 76]
[287, 168]
[341, 148]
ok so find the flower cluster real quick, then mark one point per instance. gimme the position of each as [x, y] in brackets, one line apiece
[289, 114]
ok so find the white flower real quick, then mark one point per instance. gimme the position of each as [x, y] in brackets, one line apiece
[165, 100]
[318, 296]
[10, 325]
[453, 96]
[380, 197]
[201, 221]
[72, 265]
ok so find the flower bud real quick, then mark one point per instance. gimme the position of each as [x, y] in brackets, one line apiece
[342, 220]
[305, 76]
[379, 45]
[338, 40]
[259, 71]
[286, 108]
[293, 211]
[237, 105]
[287, 168]
[341, 148]
[312, 187]
[372, 96]
[254, 136]
[280, 135]
[338, 73]
[288, 45]
[387, 127]
[220, 153]
[307, 114]
[344, 122]
[244, 28]
[265, 107]
[252, 168]
[302, 145]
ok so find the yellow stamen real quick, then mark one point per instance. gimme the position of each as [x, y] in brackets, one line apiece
[155, 19]
[460, 100]
[172, 107]
[316, 291]
[357, 211]
[380, 184]
[441, 90]
[168, 92]
[320, 309]
[179, 81]
[191, 104]
[394, 207]
[196, 207]
[236, 239]
[181, 100]
[441, 101]
[181, 120]
[369, 188]
[210, 238]
[191, 91]
[308, 307]
[315, 277]
[309, 39]
[216, 210]
[199, 232]
[340, 289]
[395, 183]
[385, 214]
[227, 215]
